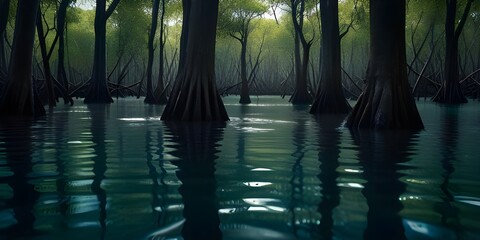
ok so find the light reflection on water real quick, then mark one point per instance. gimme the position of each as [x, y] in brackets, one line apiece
[272, 172]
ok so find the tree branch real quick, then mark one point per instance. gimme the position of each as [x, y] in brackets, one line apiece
[111, 8]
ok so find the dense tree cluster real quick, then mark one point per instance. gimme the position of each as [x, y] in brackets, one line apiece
[187, 54]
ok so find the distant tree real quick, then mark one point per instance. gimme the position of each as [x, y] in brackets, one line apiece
[18, 96]
[158, 96]
[301, 95]
[450, 91]
[386, 102]
[160, 93]
[99, 92]
[236, 20]
[329, 97]
[194, 96]
[4, 10]
[149, 97]
[61, 25]
[46, 63]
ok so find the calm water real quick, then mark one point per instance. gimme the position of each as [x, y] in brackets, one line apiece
[272, 172]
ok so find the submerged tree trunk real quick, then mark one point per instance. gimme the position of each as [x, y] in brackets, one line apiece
[450, 91]
[244, 92]
[387, 102]
[330, 98]
[195, 96]
[18, 96]
[99, 92]
[4, 9]
[61, 24]
[149, 98]
[160, 93]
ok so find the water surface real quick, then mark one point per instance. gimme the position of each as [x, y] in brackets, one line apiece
[273, 172]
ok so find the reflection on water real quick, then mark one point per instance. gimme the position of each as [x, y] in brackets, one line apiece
[329, 139]
[273, 172]
[195, 146]
[382, 155]
[17, 210]
[449, 138]
[99, 114]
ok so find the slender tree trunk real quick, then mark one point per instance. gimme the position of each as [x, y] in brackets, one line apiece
[300, 95]
[244, 92]
[450, 91]
[4, 10]
[195, 96]
[99, 92]
[387, 102]
[18, 96]
[61, 24]
[160, 93]
[149, 98]
[330, 97]
[46, 65]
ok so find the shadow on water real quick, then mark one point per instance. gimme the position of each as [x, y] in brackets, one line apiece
[382, 155]
[16, 138]
[99, 115]
[449, 138]
[329, 139]
[196, 147]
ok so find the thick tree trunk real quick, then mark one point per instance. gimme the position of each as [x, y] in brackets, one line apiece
[4, 10]
[387, 102]
[195, 96]
[160, 93]
[450, 91]
[330, 98]
[99, 92]
[150, 98]
[244, 92]
[61, 73]
[18, 96]
[46, 65]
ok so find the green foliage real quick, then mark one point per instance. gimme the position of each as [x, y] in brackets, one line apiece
[236, 15]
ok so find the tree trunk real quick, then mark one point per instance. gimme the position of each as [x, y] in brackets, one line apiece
[195, 96]
[46, 65]
[61, 73]
[160, 93]
[99, 92]
[149, 98]
[450, 91]
[330, 98]
[386, 102]
[244, 92]
[300, 96]
[18, 96]
[4, 10]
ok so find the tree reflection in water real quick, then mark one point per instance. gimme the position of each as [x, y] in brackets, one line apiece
[99, 114]
[329, 139]
[195, 145]
[382, 155]
[16, 138]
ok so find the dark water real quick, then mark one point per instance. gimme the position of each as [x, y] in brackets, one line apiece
[272, 172]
